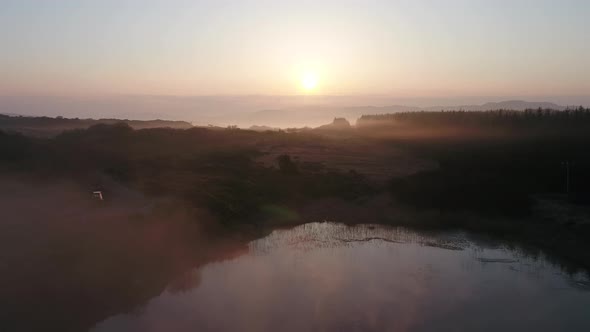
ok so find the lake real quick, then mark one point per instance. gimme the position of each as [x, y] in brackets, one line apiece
[333, 277]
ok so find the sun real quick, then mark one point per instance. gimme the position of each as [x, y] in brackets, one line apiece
[309, 81]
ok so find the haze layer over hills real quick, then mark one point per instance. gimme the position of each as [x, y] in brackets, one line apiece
[245, 111]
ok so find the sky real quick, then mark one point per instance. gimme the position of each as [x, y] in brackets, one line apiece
[199, 48]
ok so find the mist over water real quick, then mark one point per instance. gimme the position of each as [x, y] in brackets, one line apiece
[332, 277]
[67, 261]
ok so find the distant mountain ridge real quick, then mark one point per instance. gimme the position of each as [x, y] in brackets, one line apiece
[271, 110]
[514, 105]
[246, 111]
[314, 116]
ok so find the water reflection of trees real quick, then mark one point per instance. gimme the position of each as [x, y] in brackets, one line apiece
[331, 235]
[327, 235]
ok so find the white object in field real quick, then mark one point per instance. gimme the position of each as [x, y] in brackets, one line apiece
[97, 195]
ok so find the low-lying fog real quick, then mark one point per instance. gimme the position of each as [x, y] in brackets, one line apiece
[275, 111]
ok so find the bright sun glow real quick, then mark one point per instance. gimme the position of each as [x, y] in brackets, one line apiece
[309, 81]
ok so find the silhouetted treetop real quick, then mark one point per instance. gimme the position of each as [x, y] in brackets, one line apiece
[568, 121]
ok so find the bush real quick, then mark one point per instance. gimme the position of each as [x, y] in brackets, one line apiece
[286, 165]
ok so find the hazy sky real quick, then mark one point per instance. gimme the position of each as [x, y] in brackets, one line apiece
[399, 48]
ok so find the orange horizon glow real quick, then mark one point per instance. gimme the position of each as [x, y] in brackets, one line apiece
[253, 48]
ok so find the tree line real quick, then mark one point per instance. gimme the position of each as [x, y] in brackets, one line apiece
[570, 119]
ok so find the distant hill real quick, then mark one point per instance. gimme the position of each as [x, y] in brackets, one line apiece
[265, 110]
[513, 105]
[277, 112]
[46, 126]
[315, 116]
[337, 124]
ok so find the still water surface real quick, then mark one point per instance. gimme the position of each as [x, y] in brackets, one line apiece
[332, 277]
